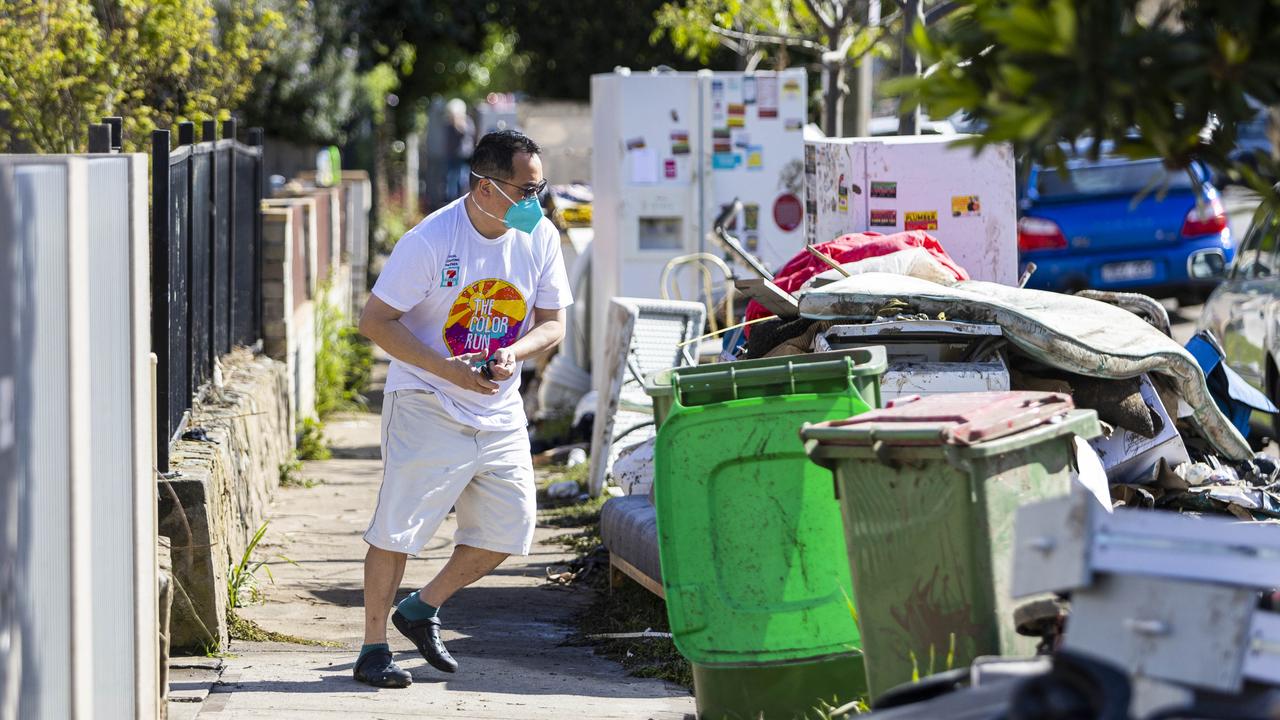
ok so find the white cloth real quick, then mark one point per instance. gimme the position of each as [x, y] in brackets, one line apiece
[432, 463]
[460, 293]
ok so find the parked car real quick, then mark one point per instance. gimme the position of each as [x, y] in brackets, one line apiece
[1244, 311]
[1126, 225]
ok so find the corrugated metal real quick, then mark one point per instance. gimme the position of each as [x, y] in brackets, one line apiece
[112, 473]
[14, 364]
[53, 258]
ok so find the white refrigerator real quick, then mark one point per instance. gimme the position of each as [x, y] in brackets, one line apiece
[670, 150]
[891, 184]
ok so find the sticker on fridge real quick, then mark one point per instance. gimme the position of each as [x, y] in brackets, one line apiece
[751, 217]
[725, 161]
[679, 142]
[842, 195]
[749, 90]
[920, 220]
[965, 206]
[635, 143]
[767, 96]
[669, 168]
[884, 218]
[737, 115]
[755, 157]
[717, 101]
[720, 140]
[791, 89]
[882, 189]
[794, 124]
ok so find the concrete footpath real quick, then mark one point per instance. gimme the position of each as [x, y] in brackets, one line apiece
[507, 631]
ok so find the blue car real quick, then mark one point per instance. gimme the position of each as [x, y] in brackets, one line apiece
[1124, 225]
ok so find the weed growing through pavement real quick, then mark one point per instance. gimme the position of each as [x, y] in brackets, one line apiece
[311, 441]
[243, 585]
[950, 660]
[291, 476]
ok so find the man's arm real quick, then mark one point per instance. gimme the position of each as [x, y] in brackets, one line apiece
[547, 332]
[381, 323]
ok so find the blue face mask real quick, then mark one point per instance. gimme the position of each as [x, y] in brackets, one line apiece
[523, 215]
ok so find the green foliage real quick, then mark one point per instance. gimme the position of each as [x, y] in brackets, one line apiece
[344, 361]
[311, 442]
[566, 44]
[308, 89]
[243, 585]
[291, 475]
[1166, 80]
[66, 63]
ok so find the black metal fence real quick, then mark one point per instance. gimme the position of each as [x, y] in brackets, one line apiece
[206, 229]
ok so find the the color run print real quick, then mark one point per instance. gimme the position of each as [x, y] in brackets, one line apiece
[485, 317]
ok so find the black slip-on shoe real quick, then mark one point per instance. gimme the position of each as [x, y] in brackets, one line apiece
[377, 668]
[425, 635]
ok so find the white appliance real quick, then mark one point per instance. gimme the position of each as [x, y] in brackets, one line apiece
[672, 148]
[890, 184]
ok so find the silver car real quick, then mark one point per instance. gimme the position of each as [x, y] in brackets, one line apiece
[1244, 311]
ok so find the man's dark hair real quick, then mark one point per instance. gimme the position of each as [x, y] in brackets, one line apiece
[493, 154]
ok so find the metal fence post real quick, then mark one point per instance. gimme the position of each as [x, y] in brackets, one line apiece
[229, 133]
[117, 132]
[256, 140]
[160, 289]
[100, 138]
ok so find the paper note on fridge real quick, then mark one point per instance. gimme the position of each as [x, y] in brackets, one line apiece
[644, 166]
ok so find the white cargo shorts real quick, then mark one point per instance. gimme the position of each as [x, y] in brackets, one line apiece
[432, 463]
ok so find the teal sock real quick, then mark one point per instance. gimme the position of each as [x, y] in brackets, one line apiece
[366, 649]
[413, 608]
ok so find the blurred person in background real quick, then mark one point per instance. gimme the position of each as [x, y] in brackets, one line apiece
[460, 142]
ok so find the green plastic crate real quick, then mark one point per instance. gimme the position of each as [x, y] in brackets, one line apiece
[827, 372]
[750, 536]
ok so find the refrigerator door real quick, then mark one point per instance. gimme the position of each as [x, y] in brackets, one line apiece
[968, 202]
[753, 149]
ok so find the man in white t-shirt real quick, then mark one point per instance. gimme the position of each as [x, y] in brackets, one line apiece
[473, 291]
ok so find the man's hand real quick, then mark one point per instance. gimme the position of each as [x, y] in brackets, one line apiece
[461, 371]
[503, 364]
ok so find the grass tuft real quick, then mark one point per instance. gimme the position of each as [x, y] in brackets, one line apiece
[250, 631]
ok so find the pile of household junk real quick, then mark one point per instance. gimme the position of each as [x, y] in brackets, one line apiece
[1169, 611]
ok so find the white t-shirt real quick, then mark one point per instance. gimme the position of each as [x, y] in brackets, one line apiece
[460, 293]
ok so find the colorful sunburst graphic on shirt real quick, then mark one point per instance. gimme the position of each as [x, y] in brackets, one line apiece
[485, 317]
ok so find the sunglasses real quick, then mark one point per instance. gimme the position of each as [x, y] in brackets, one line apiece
[526, 191]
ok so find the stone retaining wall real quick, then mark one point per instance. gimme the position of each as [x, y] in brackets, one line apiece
[215, 504]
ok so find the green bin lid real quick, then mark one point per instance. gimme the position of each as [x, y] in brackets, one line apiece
[755, 378]
[961, 419]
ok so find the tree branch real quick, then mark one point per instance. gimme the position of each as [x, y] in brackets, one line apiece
[823, 20]
[765, 38]
[938, 12]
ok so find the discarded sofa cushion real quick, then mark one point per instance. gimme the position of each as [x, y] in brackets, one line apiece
[629, 529]
[1070, 333]
[851, 248]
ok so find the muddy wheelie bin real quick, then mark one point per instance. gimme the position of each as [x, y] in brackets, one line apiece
[750, 536]
[928, 490]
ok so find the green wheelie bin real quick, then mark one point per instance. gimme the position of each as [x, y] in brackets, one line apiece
[750, 537]
[928, 489]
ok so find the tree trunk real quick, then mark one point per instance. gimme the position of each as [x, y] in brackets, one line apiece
[833, 88]
[912, 13]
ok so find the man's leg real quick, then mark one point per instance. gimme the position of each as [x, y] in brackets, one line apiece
[466, 565]
[383, 571]
[375, 666]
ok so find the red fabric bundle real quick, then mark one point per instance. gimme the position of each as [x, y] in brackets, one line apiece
[851, 248]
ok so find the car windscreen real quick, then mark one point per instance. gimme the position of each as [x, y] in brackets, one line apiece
[1120, 178]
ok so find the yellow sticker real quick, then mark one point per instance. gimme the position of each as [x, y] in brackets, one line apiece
[920, 220]
[965, 206]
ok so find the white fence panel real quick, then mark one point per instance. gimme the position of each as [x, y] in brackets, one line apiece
[80, 224]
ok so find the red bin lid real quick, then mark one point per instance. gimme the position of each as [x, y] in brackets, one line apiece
[952, 419]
